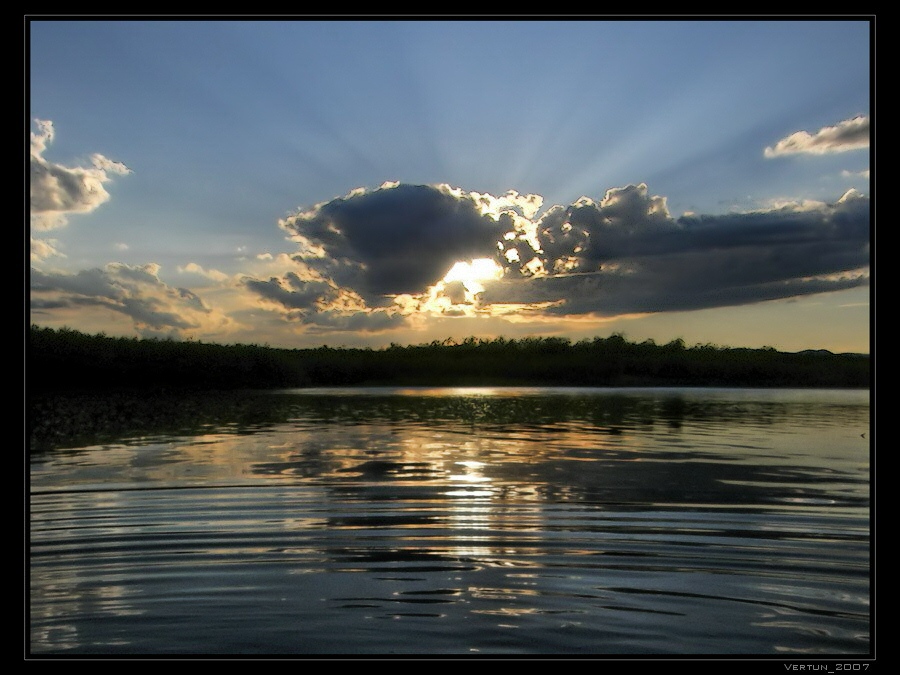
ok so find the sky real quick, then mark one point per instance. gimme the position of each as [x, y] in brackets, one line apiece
[305, 182]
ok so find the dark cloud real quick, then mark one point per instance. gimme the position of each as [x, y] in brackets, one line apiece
[395, 240]
[622, 254]
[136, 292]
[292, 292]
[626, 222]
[321, 306]
[628, 259]
[359, 321]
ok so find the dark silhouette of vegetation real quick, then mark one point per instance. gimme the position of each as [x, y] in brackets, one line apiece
[68, 360]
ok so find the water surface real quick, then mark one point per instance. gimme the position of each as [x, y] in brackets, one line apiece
[462, 521]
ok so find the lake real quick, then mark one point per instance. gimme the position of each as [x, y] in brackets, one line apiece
[479, 521]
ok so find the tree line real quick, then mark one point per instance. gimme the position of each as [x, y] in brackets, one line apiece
[66, 359]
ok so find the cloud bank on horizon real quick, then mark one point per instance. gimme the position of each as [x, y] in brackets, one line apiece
[380, 259]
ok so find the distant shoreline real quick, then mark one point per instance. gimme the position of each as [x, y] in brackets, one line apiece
[68, 360]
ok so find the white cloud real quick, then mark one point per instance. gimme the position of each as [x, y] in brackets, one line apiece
[57, 190]
[194, 268]
[41, 249]
[854, 174]
[852, 134]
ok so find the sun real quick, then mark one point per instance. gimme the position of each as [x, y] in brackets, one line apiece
[472, 274]
[458, 293]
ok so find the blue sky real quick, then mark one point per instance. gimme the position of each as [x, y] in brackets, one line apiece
[306, 182]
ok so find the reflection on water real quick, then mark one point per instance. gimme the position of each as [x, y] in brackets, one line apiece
[458, 521]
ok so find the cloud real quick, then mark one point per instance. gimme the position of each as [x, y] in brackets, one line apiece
[137, 292]
[627, 255]
[852, 174]
[396, 239]
[373, 321]
[367, 259]
[401, 255]
[294, 293]
[852, 134]
[320, 304]
[195, 269]
[370, 258]
[41, 249]
[57, 190]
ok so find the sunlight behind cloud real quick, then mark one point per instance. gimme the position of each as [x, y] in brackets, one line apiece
[471, 274]
[458, 292]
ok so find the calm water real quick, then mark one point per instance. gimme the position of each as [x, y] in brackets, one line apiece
[465, 521]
